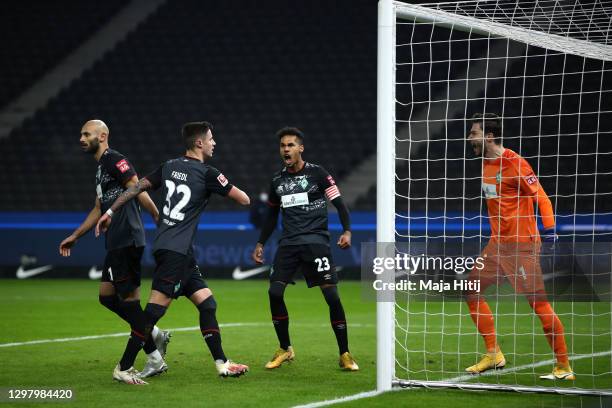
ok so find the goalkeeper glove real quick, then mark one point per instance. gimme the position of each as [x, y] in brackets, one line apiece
[549, 239]
[548, 251]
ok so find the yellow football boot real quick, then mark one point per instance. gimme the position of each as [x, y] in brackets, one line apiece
[560, 372]
[348, 363]
[280, 357]
[489, 361]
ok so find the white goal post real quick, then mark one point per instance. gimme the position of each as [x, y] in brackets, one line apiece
[546, 47]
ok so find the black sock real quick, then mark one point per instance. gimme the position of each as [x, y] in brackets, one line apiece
[280, 316]
[140, 331]
[337, 318]
[113, 303]
[149, 345]
[210, 328]
[153, 313]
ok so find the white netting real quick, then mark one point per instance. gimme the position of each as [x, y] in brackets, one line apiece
[546, 68]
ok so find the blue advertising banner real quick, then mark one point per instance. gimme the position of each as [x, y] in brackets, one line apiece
[225, 240]
[223, 245]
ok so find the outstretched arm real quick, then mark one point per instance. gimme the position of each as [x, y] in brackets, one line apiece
[86, 225]
[267, 229]
[239, 196]
[144, 199]
[104, 221]
[344, 241]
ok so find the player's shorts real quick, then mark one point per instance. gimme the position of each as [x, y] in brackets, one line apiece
[176, 274]
[122, 269]
[313, 260]
[519, 263]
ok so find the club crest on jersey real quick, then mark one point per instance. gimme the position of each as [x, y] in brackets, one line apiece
[498, 177]
[303, 183]
[222, 180]
[531, 179]
[122, 165]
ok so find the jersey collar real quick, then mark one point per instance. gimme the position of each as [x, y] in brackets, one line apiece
[296, 172]
[192, 158]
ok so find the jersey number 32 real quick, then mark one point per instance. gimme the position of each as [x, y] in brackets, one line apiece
[175, 212]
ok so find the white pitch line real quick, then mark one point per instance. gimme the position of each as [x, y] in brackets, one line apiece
[368, 394]
[104, 336]
[178, 329]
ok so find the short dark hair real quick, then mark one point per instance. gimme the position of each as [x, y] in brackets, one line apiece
[291, 131]
[192, 131]
[490, 123]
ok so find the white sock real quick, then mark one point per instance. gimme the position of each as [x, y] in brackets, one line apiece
[155, 355]
[155, 332]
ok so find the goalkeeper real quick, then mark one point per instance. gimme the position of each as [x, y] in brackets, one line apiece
[302, 190]
[511, 189]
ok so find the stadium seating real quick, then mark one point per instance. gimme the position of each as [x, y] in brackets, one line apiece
[36, 35]
[246, 66]
[250, 68]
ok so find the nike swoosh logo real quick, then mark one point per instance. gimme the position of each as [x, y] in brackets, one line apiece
[23, 274]
[94, 273]
[239, 274]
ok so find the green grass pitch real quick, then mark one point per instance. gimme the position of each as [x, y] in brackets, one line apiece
[51, 309]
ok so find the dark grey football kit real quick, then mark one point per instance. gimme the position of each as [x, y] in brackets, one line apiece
[304, 243]
[125, 238]
[187, 185]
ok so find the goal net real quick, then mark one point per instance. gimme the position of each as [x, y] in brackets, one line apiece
[545, 68]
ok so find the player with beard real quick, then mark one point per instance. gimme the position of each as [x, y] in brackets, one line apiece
[302, 189]
[120, 283]
[511, 189]
[187, 183]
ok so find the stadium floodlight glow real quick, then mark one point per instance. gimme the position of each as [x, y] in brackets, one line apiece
[546, 68]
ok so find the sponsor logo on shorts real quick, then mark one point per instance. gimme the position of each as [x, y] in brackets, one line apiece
[177, 287]
[122, 165]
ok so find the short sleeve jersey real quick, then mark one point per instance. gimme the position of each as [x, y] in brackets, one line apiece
[510, 186]
[187, 185]
[114, 170]
[303, 197]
